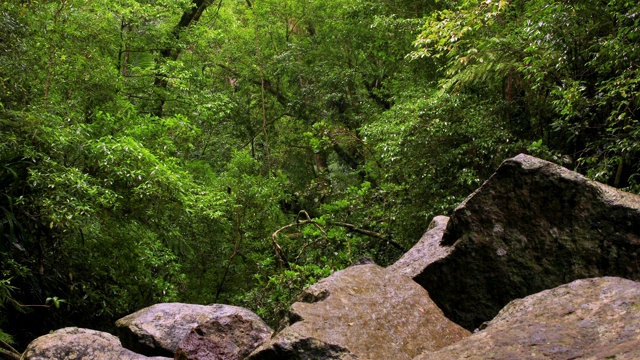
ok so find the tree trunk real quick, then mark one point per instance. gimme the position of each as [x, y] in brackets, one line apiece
[189, 18]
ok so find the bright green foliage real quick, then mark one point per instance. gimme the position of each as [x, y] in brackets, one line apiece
[272, 295]
[561, 72]
[239, 151]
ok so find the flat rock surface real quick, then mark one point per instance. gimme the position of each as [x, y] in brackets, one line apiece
[80, 344]
[426, 251]
[532, 226]
[362, 312]
[596, 318]
[159, 329]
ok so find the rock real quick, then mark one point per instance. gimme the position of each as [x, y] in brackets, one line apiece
[293, 345]
[231, 337]
[362, 312]
[78, 344]
[426, 251]
[596, 318]
[160, 329]
[364, 260]
[532, 226]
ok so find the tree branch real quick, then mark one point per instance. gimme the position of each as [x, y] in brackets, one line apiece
[260, 132]
[308, 220]
[11, 354]
[370, 233]
[278, 249]
[267, 85]
[353, 164]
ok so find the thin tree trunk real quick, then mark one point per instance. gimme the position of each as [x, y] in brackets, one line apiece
[189, 18]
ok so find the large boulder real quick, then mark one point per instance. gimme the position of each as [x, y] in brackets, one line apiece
[362, 312]
[595, 318]
[532, 226]
[426, 251]
[80, 344]
[160, 329]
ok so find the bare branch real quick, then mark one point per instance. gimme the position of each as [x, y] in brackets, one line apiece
[11, 353]
[303, 222]
[303, 218]
[371, 234]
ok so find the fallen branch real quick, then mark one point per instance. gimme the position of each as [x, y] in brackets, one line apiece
[10, 352]
[371, 234]
[280, 254]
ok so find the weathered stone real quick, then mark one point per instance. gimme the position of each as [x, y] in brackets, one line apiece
[78, 344]
[595, 318]
[292, 345]
[159, 329]
[532, 226]
[362, 312]
[426, 251]
[231, 337]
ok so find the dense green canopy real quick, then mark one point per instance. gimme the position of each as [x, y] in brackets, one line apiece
[236, 151]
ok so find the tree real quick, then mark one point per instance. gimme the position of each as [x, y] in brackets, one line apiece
[552, 66]
[93, 190]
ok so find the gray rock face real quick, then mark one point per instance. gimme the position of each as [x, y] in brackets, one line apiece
[159, 329]
[80, 344]
[362, 312]
[532, 226]
[595, 318]
[426, 251]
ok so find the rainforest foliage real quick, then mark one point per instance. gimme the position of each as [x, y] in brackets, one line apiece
[236, 151]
